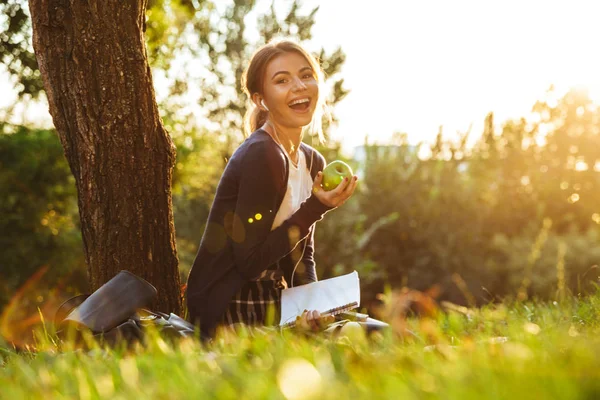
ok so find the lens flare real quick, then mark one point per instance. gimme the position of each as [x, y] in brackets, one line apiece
[299, 379]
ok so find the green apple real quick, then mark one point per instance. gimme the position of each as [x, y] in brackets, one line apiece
[334, 174]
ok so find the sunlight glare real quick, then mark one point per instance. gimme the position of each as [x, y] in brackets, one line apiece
[299, 379]
[574, 198]
[581, 166]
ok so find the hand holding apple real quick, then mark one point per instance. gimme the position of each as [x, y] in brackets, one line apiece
[340, 184]
[334, 174]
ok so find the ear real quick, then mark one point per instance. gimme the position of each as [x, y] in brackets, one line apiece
[256, 98]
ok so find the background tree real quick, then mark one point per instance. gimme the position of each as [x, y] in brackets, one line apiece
[93, 62]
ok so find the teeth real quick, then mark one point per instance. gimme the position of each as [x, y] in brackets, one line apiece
[299, 101]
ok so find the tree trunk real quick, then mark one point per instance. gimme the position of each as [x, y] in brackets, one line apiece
[93, 62]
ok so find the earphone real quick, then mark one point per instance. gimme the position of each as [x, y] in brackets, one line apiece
[263, 104]
[306, 239]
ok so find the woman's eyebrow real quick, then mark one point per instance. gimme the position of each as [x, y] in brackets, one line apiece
[287, 73]
[279, 72]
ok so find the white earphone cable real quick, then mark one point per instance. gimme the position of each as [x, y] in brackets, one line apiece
[306, 239]
[310, 172]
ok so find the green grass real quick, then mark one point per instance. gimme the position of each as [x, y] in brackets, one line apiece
[523, 350]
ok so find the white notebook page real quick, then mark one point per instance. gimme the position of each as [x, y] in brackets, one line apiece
[321, 296]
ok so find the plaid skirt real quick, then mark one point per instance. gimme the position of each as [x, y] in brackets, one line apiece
[258, 302]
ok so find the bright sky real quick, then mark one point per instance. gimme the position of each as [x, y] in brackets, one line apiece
[415, 65]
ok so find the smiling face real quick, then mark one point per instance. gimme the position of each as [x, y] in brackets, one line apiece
[290, 90]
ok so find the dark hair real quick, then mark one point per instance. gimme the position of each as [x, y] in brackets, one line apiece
[253, 80]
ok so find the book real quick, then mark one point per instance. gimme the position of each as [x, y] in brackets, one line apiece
[330, 297]
[332, 311]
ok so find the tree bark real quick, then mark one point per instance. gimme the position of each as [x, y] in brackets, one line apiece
[92, 59]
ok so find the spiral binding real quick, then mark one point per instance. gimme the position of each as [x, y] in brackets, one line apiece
[330, 312]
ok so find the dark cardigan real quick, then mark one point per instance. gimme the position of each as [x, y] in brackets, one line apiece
[238, 243]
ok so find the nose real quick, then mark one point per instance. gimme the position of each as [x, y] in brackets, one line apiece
[299, 85]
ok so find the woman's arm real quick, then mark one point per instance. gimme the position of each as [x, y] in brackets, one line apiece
[306, 271]
[255, 246]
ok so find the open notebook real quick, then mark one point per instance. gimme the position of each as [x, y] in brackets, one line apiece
[329, 296]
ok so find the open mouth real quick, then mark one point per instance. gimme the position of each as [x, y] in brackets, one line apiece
[300, 104]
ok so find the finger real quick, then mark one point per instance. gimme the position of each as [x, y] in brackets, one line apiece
[340, 188]
[316, 315]
[315, 325]
[304, 323]
[314, 321]
[320, 320]
[347, 193]
[317, 182]
[306, 315]
[318, 179]
[351, 186]
[325, 320]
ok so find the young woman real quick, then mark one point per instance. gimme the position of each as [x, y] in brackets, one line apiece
[259, 238]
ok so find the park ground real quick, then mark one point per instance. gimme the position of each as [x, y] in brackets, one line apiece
[519, 350]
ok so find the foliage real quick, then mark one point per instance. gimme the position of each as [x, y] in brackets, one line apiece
[39, 223]
[166, 22]
[16, 52]
[229, 51]
[483, 222]
[193, 33]
[541, 350]
[195, 178]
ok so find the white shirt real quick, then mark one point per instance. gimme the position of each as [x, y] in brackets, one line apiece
[299, 185]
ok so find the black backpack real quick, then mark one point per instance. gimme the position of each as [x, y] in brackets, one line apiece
[117, 312]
